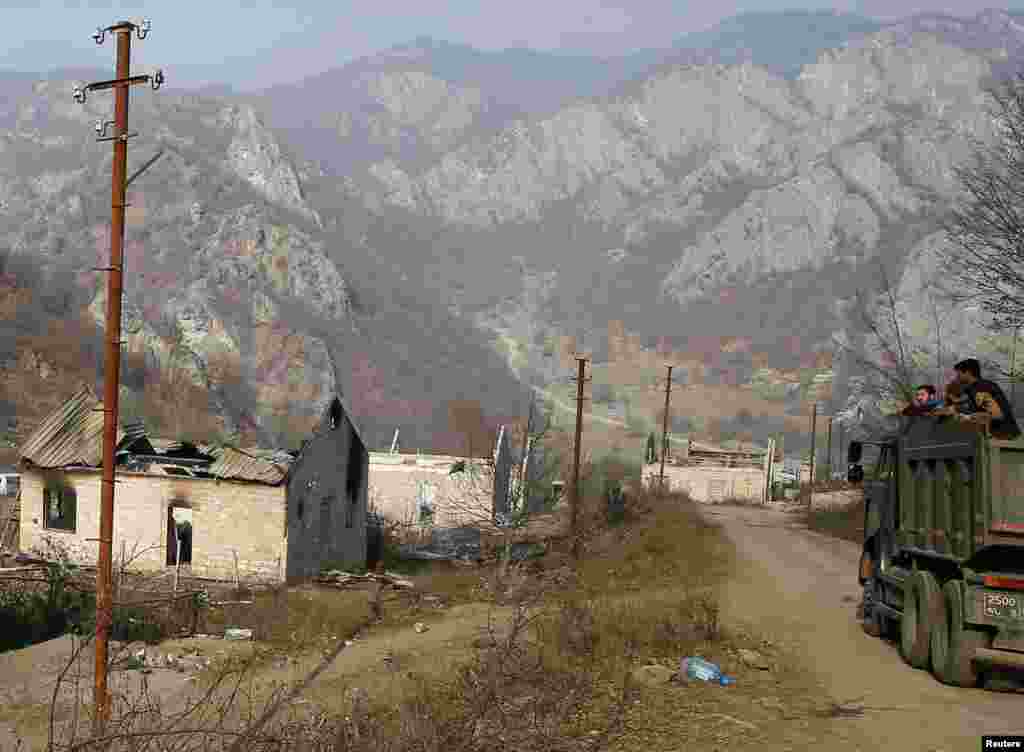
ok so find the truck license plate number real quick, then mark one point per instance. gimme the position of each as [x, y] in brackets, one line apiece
[1002, 606]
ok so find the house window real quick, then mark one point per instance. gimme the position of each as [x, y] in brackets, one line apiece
[354, 472]
[326, 507]
[354, 475]
[61, 509]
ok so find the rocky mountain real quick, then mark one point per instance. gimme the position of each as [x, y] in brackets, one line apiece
[416, 101]
[722, 198]
[420, 222]
[230, 277]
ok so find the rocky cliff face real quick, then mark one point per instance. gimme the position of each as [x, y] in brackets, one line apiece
[698, 129]
[219, 242]
[747, 175]
[233, 283]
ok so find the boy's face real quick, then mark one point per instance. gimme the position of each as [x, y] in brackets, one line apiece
[923, 396]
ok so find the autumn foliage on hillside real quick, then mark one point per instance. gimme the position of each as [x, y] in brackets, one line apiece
[50, 344]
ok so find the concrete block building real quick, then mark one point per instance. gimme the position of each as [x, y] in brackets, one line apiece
[711, 474]
[432, 490]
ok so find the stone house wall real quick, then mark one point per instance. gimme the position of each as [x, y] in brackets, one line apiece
[229, 518]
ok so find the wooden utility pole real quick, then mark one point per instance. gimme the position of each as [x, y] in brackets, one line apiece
[828, 449]
[839, 447]
[814, 425]
[664, 427]
[581, 367]
[120, 84]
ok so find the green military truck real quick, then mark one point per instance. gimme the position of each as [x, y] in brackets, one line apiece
[943, 560]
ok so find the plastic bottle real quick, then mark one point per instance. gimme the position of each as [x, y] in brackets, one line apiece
[698, 668]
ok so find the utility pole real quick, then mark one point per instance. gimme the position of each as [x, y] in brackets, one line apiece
[120, 84]
[814, 425]
[839, 447]
[664, 427]
[1013, 366]
[828, 448]
[581, 367]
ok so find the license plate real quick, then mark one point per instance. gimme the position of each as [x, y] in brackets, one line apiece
[1002, 605]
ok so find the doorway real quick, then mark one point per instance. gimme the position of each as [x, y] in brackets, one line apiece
[179, 536]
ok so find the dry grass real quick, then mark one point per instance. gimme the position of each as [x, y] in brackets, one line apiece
[543, 658]
[299, 618]
[846, 522]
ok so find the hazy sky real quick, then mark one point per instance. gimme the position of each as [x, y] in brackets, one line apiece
[261, 43]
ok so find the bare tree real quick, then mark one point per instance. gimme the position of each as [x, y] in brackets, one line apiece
[471, 495]
[895, 352]
[986, 257]
[884, 355]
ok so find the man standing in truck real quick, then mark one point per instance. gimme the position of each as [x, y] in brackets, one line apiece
[986, 400]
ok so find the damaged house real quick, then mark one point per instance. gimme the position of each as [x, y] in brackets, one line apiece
[433, 490]
[220, 510]
[713, 474]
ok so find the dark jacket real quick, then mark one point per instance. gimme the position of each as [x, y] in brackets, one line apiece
[983, 391]
[915, 409]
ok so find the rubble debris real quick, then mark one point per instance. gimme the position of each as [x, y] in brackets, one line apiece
[753, 659]
[236, 633]
[653, 675]
[339, 579]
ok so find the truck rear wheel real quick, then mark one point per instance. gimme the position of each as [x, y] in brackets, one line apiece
[920, 604]
[953, 643]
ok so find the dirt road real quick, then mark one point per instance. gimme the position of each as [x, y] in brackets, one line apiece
[800, 588]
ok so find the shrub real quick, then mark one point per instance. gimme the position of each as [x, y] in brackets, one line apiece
[33, 616]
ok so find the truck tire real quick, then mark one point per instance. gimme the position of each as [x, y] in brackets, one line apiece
[876, 623]
[953, 643]
[920, 603]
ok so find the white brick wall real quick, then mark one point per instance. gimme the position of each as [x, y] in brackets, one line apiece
[706, 484]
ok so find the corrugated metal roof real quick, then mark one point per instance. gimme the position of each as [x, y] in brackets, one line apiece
[260, 465]
[133, 429]
[70, 435]
[73, 435]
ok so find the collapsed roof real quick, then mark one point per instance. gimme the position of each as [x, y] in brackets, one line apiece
[72, 436]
